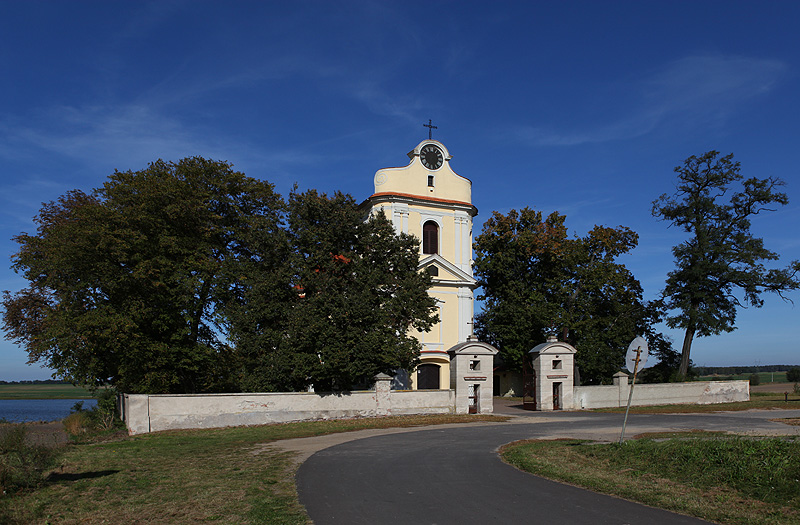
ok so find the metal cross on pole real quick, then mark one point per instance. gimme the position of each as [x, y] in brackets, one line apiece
[430, 127]
[635, 358]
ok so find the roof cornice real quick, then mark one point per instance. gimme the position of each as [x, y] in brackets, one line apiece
[418, 199]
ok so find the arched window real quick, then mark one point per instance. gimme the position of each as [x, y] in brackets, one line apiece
[430, 237]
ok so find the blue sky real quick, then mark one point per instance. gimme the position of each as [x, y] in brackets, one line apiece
[580, 107]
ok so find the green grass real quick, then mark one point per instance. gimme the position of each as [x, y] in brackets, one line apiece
[724, 479]
[43, 391]
[22, 464]
[221, 476]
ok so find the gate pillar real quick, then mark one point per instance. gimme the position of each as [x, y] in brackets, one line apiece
[471, 367]
[553, 365]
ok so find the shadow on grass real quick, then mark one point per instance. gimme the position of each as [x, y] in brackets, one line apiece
[54, 477]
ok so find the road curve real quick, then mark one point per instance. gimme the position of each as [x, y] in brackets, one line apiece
[451, 475]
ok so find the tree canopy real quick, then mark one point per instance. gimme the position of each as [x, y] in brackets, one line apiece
[355, 291]
[721, 256]
[184, 277]
[126, 282]
[535, 277]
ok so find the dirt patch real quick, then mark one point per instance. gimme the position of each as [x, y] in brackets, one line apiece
[778, 388]
[48, 434]
[794, 421]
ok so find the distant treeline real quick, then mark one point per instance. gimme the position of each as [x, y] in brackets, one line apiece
[35, 382]
[736, 370]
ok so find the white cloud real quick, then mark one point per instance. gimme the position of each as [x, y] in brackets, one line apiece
[719, 82]
[124, 136]
[148, 17]
[380, 102]
[104, 138]
[698, 90]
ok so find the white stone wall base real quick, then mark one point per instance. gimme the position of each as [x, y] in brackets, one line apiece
[153, 413]
[696, 392]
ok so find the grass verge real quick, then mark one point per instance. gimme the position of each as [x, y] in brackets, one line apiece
[219, 475]
[43, 391]
[724, 479]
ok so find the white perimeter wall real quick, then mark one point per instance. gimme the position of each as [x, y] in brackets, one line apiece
[152, 413]
[696, 392]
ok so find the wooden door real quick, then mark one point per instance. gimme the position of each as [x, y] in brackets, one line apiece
[428, 376]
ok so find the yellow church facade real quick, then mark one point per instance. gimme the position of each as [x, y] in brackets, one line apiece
[428, 199]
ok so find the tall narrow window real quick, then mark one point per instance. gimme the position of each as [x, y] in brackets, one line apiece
[430, 237]
[430, 181]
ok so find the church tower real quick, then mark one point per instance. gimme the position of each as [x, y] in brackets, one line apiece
[429, 200]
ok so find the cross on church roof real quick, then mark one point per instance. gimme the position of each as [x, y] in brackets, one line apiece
[430, 127]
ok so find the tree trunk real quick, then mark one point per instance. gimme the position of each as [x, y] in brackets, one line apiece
[687, 348]
[197, 316]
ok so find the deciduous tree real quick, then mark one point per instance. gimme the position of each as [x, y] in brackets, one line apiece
[191, 277]
[126, 283]
[534, 276]
[721, 256]
[355, 293]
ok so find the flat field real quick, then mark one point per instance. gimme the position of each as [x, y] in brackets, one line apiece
[43, 391]
[764, 377]
[773, 387]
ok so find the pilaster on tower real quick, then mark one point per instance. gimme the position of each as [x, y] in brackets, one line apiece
[428, 199]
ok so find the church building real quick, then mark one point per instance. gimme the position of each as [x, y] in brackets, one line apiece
[431, 201]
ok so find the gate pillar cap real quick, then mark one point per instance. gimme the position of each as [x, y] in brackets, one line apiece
[473, 347]
[553, 347]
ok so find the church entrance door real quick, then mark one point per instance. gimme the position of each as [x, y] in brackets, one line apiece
[428, 376]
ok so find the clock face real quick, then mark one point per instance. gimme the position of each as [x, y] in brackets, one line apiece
[431, 157]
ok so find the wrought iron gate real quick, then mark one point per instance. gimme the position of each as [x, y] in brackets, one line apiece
[528, 385]
[473, 399]
[556, 396]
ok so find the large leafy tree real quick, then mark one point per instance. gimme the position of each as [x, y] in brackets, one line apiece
[355, 291]
[721, 256]
[184, 277]
[126, 283]
[535, 277]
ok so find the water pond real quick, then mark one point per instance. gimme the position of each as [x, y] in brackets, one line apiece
[25, 410]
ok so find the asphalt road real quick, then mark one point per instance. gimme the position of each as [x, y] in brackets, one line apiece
[454, 476]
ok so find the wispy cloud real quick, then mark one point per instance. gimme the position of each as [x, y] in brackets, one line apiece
[104, 138]
[149, 17]
[721, 82]
[697, 89]
[124, 135]
[186, 85]
[627, 128]
[380, 102]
